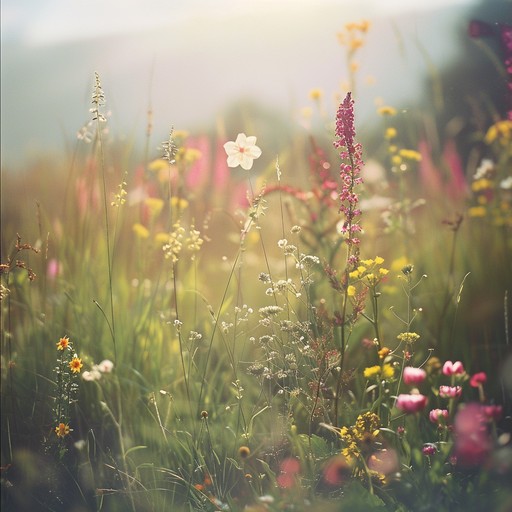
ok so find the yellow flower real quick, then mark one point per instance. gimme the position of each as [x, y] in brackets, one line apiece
[351, 291]
[500, 131]
[75, 364]
[410, 154]
[62, 430]
[361, 269]
[158, 165]
[367, 262]
[140, 230]
[154, 205]
[63, 343]
[383, 352]
[371, 371]
[408, 337]
[379, 260]
[386, 110]
[179, 202]
[390, 133]
[316, 94]
[396, 160]
[477, 211]
[388, 372]
[161, 238]
[354, 274]
[482, 184]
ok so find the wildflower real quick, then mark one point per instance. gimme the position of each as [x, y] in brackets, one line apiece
[140, 230]
[62, 430]
[477, 379]
[204, 414]
[350, 173]
[384, 462]
[371, 372]
[383, 352]
[500, 131]
[433, 365]
[290, 467]
[450, 391]
[106, 366]
[506, 184]
[484, 170]
[351, 291]
[472, 441]
[336, 471]
[92, 375]
[411, 403]
[386, 111]
[316, 94]
[63, 343]
[390, 133]
[75, 364]
[414, 375]
[450, 368]
[242, 152]
[438, 415]
[410, 154]
[429, 449]
[408, 337]
[493, 412]
[53, 269]
[244, 452]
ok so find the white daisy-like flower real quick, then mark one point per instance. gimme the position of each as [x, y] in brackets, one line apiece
[242, 152]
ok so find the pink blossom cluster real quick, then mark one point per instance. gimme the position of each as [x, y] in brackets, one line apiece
[350, 169]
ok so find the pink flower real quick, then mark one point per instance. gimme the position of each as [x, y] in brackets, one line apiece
[478, 379]
[492, 412]
[53, 269]
[438, 415]
[450, 391]
[414, 375]
[410, 403]
[472, 440]
[450, 368]
[429, 449]
[337, 471]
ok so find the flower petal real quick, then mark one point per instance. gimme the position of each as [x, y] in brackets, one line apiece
[234, 160]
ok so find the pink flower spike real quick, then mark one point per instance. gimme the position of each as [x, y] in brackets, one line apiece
[450, 391]
[414, 375]
[410, 403]
[438, 415]
[450, 368]
[493, 412]
[478, 379]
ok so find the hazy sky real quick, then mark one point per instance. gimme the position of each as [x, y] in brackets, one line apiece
[192, 58]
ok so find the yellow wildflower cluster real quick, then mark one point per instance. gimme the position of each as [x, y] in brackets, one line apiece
[384, 372]
[500, 132]
[369, 271]
[359, 438]
[176, 239]
[408, 337]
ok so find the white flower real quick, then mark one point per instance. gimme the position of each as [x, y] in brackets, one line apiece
[106, 366]
[506, 184]
[242, 152]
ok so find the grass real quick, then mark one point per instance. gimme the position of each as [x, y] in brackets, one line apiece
[243, 344]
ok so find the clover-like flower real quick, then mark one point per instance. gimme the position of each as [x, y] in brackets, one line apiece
[242, 152]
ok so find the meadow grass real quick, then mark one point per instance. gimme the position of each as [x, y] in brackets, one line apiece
[181, 336]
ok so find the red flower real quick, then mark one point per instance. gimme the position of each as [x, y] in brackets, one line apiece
[478, 379]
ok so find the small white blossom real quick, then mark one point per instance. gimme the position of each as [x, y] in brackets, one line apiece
[242, 152]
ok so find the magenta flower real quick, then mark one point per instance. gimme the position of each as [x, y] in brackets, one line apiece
[450, 368]
[478, 379]
[410, 403]
[450, 391]
[350, 169]
[472, 440]
[492, 412]
[429, 449]
[438, 415]
[414, 375]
